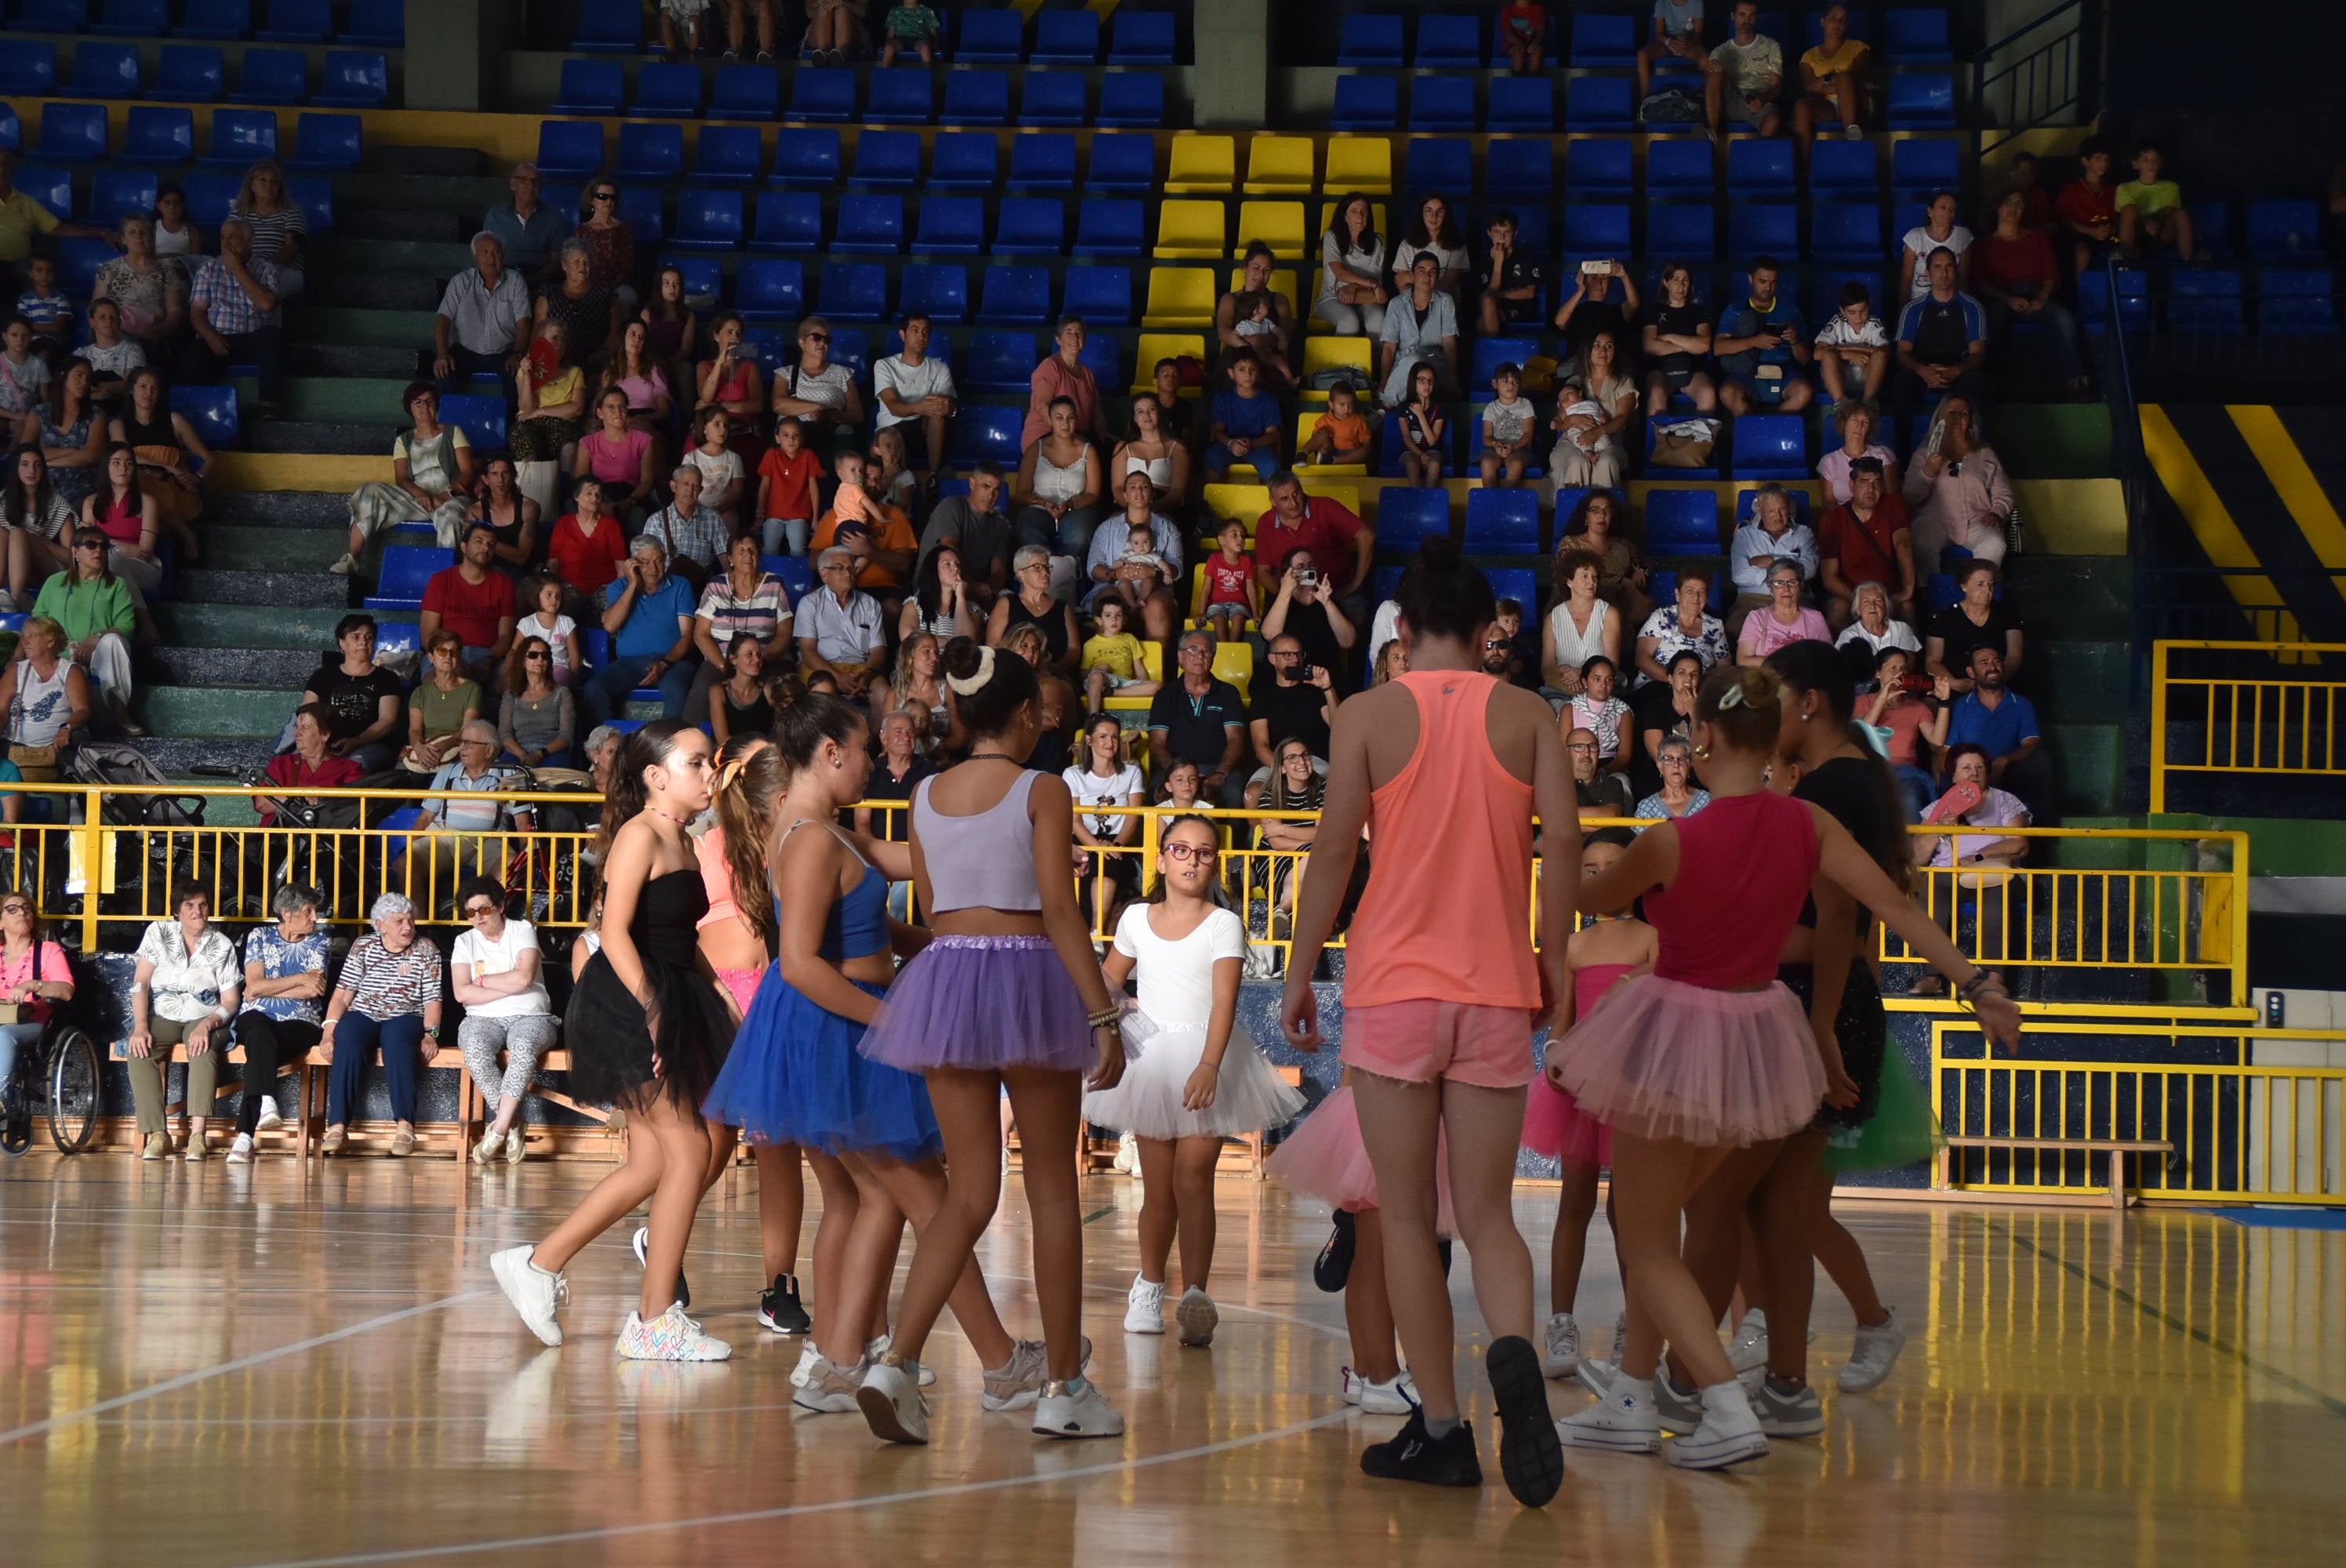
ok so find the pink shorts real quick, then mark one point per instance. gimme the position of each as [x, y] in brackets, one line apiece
[1418, 1042]
[742, 984]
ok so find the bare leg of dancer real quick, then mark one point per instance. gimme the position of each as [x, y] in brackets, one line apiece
[781, 1206]
[1652, 1182]
[914, 1193]
[1368, 1309]
[1177, 1200]
[968, 1108]
[1784, 1208]
[1400, 1123]
[1713, 1248]
[1576, 1207]
[1050, 1107]
[841, 1203]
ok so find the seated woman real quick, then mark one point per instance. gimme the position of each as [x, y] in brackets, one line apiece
[1979, 865]
[1598, 524]
[70, 429]
[1871, 631]
[1855, 423]
[581, 305]
[738, 704]
[184, 989]
[547, 423]
[284, 998]
[126, 515]
[1150, 447]
[1910, 719]
[536, 718]
[609, 242]
[96, 613]
[1589, 448]
[729, 379]
[1354, 283]
[1682, 625]
[432, 476]
[1678, 345]
[1105, 863]
[917, 688]
[1784, 620]
[496, 974]
[34, 978]
[170, 458]
[1580, 627]
[1958, 491]
[1033, 604]
[447, 700]
[940, 602]
[670, 331]
[511, 516]
[38, 522]
[1976, 620]
[1054, 501]
[148, 289]
[1678, 796]
[586, 549]
[820, 393]
[640, 376]
[1254, 315]
[388, 995]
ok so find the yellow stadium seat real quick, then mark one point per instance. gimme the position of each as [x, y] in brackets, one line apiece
[1212, 545]
[1345, 495]
[1329, 353]
[1304, 421]
[1358, 163]
[1156, 346]
[1179, 297]
[1247, 503]
[1152, 662]
[1279, 166]
[1278, 224]
[1202, 166]
[1190, 231]
[1282, 283]
[1234, 662]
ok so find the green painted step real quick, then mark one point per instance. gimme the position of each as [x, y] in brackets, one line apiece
[238, 710]
[229, 549]
[2053, 440]
[2084, 595]
[2092, 765]
[343, 399]
[249, 625]
[2082, 682]
[440, 258]
[372, 328]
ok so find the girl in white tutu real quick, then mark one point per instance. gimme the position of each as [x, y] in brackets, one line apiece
[1193, 1076]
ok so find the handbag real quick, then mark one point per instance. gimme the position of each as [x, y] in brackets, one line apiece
[38, 764]
[1674, 451]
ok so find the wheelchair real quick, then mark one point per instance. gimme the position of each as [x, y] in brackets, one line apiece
[56, 1082]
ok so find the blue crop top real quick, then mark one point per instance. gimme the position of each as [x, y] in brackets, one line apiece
[858, 926]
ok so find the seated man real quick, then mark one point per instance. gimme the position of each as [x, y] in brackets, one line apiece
[649, 614]
[1832, 81]
[1341, 544]
[478, 327]
[1942, 344]
[233, 307]
[692, 537]
[1867, 539]
[1742, 78]
[1601, 792]
[1301, 609]
[916, 395]
[1199, 718]
[462, 837]
[1677, 35]
[840, 629]
[2002, 723]
[1511, 278]
[474, 600]
[977, 529]
[1762, 345]
[530, 231]
[1298, 703]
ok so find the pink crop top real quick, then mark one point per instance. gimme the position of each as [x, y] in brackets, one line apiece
[985, 861]
[1745, 863]
[716, 879]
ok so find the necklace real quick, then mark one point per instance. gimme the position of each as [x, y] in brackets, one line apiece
[662, 812]
[989, 755]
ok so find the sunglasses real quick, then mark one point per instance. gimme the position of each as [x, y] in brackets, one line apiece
[1188, 852]
[479, 910]
[88, 544]
[607, 195]
[818, 337]
[1495, 643]
[535, 658]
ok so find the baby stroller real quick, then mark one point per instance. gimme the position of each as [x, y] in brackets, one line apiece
[159, 841]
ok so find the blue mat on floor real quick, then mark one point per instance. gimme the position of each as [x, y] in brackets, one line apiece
[2289, 1218]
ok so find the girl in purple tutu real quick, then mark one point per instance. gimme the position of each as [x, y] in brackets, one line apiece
[1607, 947]
[1007, 994]
[1709, 1052]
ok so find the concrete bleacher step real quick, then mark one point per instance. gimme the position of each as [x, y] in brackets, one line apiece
[2093, 761]
[281, 588]
[367, 325]
[437, 258]
[362, 290]
[2087, 596]
[334, 357]
[236, 547]
[217, 711]
[178, 756]
[279, 509]
[423, 162]
[2084, 682]
[239, 626]
[287, 668]
[347, 440]
[344, 399]
[355, 222]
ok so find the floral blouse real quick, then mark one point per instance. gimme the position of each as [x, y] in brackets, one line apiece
[281, 960]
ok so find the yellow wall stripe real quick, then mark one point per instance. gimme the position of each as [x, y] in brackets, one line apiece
[2284, 464]
[2212, 524]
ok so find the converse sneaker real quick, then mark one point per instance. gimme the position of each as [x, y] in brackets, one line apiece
[1127, 1155]
[240, 1153]
[890, 1398]
[1748, 1349]
[1872, 1355]
[1728, 1433]
[670, 1336]
[808, 1357]
[779, 1309]
[1018, 1383]
[1560, 1346]
[1144, 1307]
[1623, 1421]
[1396, 1396]
[1075, 1409]
[1198, 1316]
[640, 1244]
[1530, 1460]
[1415, 1454]
[1680, 1409]
[270, 1121]
[830, 1388]
[534, 1293]
[1788, 1409]
[887, 1342]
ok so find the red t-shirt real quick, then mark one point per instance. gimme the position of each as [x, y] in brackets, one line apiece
[587, 564]
[1532, 19]
[1326, 530]
[1866, 548]
[333, 773]
[789, 483]
[471, 610]
[2082, 205]
[1226, 580]
[1999, 264]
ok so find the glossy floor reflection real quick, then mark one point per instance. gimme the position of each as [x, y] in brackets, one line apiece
[208, 1367]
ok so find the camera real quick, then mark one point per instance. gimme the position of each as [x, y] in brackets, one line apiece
[1308, 577]
[1597, 269]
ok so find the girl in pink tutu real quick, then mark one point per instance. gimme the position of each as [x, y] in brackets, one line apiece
[1611, 945]
[1709, 1052]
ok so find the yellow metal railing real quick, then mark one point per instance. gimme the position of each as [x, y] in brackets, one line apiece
[2265, 709]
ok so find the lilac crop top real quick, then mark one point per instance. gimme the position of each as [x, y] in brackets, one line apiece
[985, 861]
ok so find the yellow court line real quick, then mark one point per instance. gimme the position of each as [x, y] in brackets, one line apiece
[2210, 521]
[2292, 478]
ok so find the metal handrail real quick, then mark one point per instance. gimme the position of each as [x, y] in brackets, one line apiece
[1985, 74]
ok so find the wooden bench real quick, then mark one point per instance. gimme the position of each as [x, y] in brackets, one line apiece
[305, 1119]
[2116, 1148]
[472, 1105]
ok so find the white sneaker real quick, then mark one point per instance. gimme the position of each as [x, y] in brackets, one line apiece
[1624, 1422]
[670, 1336]
[270, 1121]
[345, 567]
[1852, 133]
[1748, 1349]
[1397, 1396]
[1018, 1382]
[830, 1388]
[890, 1398]
[1680, 1409]
[1128, 1153]
[1144, 1308]
[808, 1357]
[1596, 1375]
[887, 1342]
[1794, 1413]
[1198, 1316]
[240, 1153]
[1560, 1346]
[1728, 1432]
[1872, 1355]
[1067, 1411]
[534, 1293]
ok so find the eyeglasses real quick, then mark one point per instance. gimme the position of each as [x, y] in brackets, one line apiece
[1284, 653]
[1581, 746]
[1185, 853]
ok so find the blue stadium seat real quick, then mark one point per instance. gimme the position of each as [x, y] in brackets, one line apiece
[1595, 230]
[1598, 103]
[569, 150]
[116, 194]
[1440, 103]
[1020, 296]
[649, 152]
[851, 291]
[1031, 226]
[99, 71]
[1053, 97]
[609, 28]
[966, 161]
[667, 92]
[1919, 166]
[939, 290]
[354, 80]
[1915, 34]
[950, 226]
[71, 133]
[1366, 103]
[788, 220]
[1066, 38]
[1407, 514]
[1771, 446]
[822, 93]
[12, 129]
[1532, 224]
[1682, 523]
[190, 73]
[1763, 228]
[1000, 362]
[1675, 232]
[1369, 40]
[1760, 168]
[372, 24]
[1104, 357]
[315, 196]
[1043, 162]
[806, 158]
[2206, 300]
[47, 17]
[1603, 42]
[214, 19]
[1596, 166]
[987, 434]
[2286, 232]
[1844, 169]
[770, 291]
[2296, 301]
[900, 97]
[212, 411]
[1681, 166]
[325, 144]
[708, 220]
[886, 160]
[1140, 38]
[2133, 302]
[590, 87]
[975, 98]
[132, 18]
[208, 197]
[306, 22]
[1123, 163]
[1100, 295]
[51, 187]
[1490, 353]
[1521, 105]
[1520, 583]
[991, 36]
[272, 77]
[1524, 168]
[1442, 163]
[725, 155]
[78, 260]
[2211, 230]
[745, 93]
[639, 209]
[1845, 231]
[1449, 42]
[870, 225]
[1502, 521]
[796, 571]
[1130, 100]
[155, 134]
[1108, 229]
[1921, 101]
[407, 569]
[29, 68]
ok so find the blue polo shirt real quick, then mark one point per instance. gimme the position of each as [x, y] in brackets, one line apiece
[1746, 319]
[650, 628]
[2000, 730]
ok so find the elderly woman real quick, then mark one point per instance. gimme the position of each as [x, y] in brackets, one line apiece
[585, 310]
[284, 997]
[1855, 423]
[1681, 625]
[34, 978]
[1958, 491]
[388, 996]
[150, 291]
[94, 614]
[1679, 796]
[496, 971]
[1871, 631]
[432, 474]
[1055, 498]
[184, 988]
[1979, 864]
[447, 700]
[820, 394]
[1785, 620]
[1597, 524]
[275, 221]
[45, 697]
[1033, 604]
[1588, 440]
[1354, 283]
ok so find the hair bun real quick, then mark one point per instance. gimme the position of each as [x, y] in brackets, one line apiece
[1438, 553]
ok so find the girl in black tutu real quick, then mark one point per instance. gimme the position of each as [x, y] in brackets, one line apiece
[647, 1032]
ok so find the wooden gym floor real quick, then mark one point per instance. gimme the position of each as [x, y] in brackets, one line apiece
[273, 1366]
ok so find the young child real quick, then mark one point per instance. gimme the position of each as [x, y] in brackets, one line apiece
[914, 28]
[1112, 658]
[1182, 782]
[1606, 947]
[1852, 350]
[1522, 648]
[1195, 1075]
[1245, 421]
[723, 480]
[1523, 32]
[679, 26]
[1339, 435]
[2150, 210]
[2086, 209]
[24, 374]
[1423, 429]
[1232, 596]
[548, 621]
[787, 476]
[1507, 420]
[1571, 402]
[1179, 422]
[1256, 321]
[49, 314]
[850, 502]
[670, 326]
[176, 233]
[112, 357]
[1599, 712]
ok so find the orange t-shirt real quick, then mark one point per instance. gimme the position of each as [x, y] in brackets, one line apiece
[891, 530]
[1350, 434]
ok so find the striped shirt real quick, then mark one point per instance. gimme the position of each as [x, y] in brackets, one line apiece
[388, 985]
[271, 230]
[760, 614]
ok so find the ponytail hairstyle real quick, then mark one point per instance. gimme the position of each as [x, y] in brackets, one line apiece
[1441, 595]
[1819, 669]
[990, 686]
[749, 779]
[800, 729]
[1744, 704]
[624, 799]
[1165, 831]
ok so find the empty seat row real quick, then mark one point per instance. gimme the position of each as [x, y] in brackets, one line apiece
[115, 194]
[164, 137]
[989, 36]
[1526, 105]
[376, 23]
[809, 158]
[196, 73]
[2215, 301]
[903, 95]
[1909, 35]
[774, 289]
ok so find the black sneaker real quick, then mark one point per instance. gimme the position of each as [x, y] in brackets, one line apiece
[1333, 1267]
[638, 1246]
[1530, 1456]
[779, 1309]
[1410, 1454]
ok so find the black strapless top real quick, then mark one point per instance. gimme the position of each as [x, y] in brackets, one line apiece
[666, 928]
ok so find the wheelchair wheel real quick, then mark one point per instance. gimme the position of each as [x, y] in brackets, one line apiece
[15, 1116]
[73, 1091]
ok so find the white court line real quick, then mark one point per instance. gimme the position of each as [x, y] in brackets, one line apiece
[800, 1510]
[184, 1380]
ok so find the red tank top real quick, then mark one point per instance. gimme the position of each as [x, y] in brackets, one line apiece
[1446, 915]
[1744, 862]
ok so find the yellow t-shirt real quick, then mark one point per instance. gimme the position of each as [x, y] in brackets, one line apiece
[2151, 199]
[562, 386]
[21, 218]
[1120, 653]
[1849, 57]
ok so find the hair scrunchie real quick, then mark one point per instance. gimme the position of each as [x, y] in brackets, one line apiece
[971, 687]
